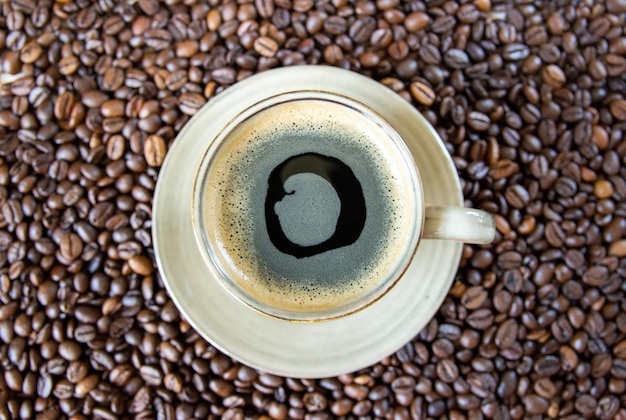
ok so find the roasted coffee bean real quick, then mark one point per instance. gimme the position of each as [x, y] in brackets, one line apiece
[456, 59]
[265, 8]
[535, 404]
[71, 246]
[154, 150]
[422, 93]
[517, 196]
[506, 334]
[547, 366]
[362, 28]
[553, 76]
[443, 24]
[515, 52]
[618, 109]
[266, 46]
[480, 319]
[528, 99]
[478, 121]
[596, 275]
[474, 297]
[158, 39]
[85, 333]
[113, 79]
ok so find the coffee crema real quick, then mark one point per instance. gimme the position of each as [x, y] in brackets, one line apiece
[309, 206]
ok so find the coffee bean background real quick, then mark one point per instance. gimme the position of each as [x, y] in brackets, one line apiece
[529, 98]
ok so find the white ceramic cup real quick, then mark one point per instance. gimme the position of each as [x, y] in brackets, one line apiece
[222, 232]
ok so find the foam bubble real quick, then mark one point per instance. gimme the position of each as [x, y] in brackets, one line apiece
[236, 189]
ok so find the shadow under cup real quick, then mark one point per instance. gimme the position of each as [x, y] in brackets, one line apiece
[307, 206]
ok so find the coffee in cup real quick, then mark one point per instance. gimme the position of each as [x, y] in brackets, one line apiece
[309, 207]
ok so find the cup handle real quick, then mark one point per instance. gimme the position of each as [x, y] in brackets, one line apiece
[453, 223]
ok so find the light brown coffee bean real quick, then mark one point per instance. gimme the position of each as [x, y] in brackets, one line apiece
[422, 93]
[31, 52]
[474, 297]
[141, 265]
[68, 65]
[154, 150]
[113, 108]
[113, 79]
[71, 246]
[553, 76]
[266, 46]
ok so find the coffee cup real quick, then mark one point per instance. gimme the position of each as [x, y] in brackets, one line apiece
[308, 221]
[309, 207]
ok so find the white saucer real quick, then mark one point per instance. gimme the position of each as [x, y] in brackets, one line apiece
[310, 350]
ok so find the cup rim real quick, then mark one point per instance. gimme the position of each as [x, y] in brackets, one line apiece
[208, 248]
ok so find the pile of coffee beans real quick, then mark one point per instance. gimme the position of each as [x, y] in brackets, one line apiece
[530, 98]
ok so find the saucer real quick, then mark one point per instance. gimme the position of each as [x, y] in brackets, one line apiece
[296, 349]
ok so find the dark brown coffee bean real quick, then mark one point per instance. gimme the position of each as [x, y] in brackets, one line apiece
[618, 109]
[480, 319]
[430, 54]
[158, 39]
[354, 391]
[69, 350]
[601, 365]
[536, 35]
[113, 108]
[534, 404]
[31, 53]
[468, 13]
[572, 114]
[517, 196]
[456, 59]
[71, 246]
[614, 65]
[474, 297]
[618, 369]
[191, 102]
[553, 76]
[515, 52]
[447, 371]
[443, 24]
[223, 75]
[85, 333]
[596, 276]
[151, 375]
[100, 213]
[503, 168]
[478, 121]
[607, 407]
[361, 30]
[562, 330]
[149, 7]
[506, 334]
[547, 366]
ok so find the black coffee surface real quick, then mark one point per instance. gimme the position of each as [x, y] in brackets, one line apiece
[352, 212]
